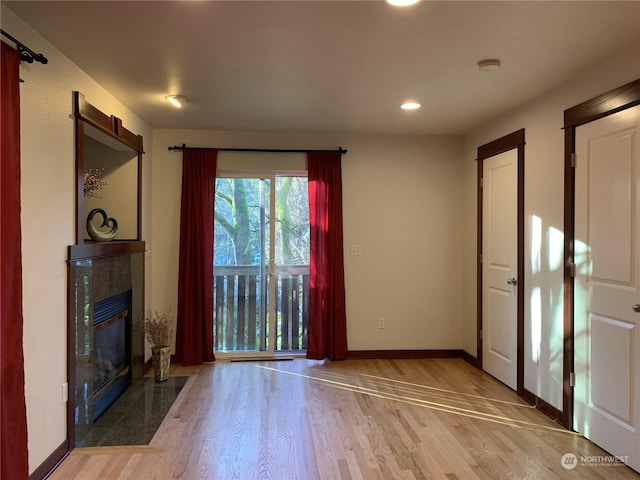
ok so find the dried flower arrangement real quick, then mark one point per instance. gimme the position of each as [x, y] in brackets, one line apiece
[93, 183]
[157, 329]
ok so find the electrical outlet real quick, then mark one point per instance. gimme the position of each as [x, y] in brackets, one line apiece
[356, 250]
[65, 392]
[380, 323]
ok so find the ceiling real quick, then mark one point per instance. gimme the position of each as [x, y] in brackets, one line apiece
[330, 66]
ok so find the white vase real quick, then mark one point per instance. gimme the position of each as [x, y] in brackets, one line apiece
[161, 360]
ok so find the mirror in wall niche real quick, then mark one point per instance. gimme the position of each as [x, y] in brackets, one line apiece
[108, 169]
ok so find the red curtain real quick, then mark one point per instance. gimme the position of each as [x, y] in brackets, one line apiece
[327, 333]
[194, 333]
[13, 413]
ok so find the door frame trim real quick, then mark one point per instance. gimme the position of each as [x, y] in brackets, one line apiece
[597, 107]
[501, 145]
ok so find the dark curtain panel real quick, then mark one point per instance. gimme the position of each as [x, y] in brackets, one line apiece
[194, 333]
[13, 413]
[327, 333]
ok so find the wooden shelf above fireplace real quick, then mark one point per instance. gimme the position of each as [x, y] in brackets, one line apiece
[104, 249]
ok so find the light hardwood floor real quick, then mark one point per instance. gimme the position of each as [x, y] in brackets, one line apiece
[356, 419]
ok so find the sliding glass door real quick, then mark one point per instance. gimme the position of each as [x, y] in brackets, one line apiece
[261, 264]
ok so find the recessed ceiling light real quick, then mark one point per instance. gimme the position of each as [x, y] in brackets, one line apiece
[489, 65]
[402, 3]
[176, 100]
[410, 106]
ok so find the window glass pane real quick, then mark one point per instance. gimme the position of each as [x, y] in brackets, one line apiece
[292, 263]
[241, 243]
[292, 221]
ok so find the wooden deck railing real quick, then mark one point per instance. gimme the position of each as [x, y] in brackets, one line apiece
[239, 296]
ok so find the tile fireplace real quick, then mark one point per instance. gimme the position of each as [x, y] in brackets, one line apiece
[106, 341]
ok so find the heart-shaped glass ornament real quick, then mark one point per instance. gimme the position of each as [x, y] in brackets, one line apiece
[99, 234]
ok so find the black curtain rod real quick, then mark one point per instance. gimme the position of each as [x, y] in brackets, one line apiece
[26, 54]
[269, 150]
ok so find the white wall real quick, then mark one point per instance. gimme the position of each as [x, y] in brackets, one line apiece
[542, 120]
[401, 204]
[48, 223]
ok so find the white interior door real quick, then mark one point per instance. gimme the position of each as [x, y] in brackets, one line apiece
[607, 293]
[500, 267]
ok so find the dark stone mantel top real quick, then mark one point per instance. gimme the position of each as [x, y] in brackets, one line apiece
[104, 249]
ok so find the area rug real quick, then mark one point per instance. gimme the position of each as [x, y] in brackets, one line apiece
[135, 416]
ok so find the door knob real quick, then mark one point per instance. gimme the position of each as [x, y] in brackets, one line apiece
[636, 308]
[512, 281]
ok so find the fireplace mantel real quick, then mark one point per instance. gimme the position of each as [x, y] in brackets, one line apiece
[103, 249]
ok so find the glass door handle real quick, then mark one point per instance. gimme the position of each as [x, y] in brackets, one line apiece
[272, 268]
